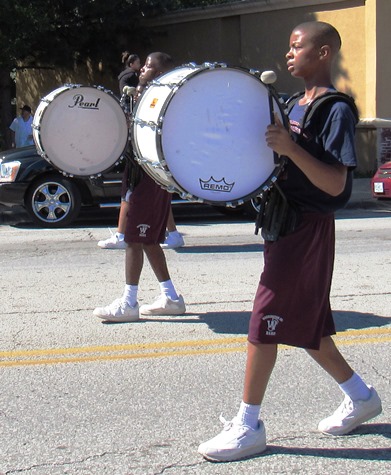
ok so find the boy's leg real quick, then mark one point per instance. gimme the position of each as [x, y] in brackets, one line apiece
[174, 238]
[240, 440]
[261, 359]
[116, 240]
[331, 360]
[134, 261]
[158, 262]
[361, 402]
[169, 302]
[126, 309]
[123, 215]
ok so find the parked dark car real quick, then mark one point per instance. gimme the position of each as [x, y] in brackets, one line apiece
[54, 200]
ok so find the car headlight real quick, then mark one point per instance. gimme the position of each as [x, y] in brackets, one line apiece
[9, 171]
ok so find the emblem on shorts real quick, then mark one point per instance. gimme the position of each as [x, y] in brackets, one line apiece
[143, 228]
[272, 322]
[216, 185]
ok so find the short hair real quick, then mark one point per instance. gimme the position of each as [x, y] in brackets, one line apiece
[323, 34]
[165, 60]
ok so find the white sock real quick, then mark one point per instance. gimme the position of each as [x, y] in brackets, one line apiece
[355, 388]
[167, 288]
[248, 415]
[130, 295]
[120, 236]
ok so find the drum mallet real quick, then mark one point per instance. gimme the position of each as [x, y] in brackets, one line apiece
[131, 92]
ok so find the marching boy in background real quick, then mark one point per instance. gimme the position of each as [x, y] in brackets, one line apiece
[147, 214]
[292, 303]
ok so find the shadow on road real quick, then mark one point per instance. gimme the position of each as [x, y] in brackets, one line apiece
[378, 454]
[357, 321]
[216, 249]
[236, 322]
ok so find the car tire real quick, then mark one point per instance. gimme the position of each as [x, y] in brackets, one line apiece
[251, 207]
[53, 202]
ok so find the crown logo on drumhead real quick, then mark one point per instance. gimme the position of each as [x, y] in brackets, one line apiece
[216, 185]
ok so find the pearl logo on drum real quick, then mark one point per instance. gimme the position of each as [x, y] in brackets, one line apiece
[81, 104]
[216, 185]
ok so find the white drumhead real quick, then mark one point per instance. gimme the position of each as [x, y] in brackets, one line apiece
[82, 130]
[213, 135]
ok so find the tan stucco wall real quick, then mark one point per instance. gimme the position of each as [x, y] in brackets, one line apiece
[260, 41]
[36, 83]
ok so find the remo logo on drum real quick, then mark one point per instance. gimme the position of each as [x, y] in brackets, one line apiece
[214, 185]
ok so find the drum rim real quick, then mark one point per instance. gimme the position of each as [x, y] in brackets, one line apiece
[37, 127]
[176, 187]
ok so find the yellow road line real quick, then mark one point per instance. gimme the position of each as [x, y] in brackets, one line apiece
[164, 349]
[133, 346]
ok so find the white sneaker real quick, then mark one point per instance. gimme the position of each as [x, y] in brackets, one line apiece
[173, 241]
[235, 442]
[118, 311]
[350, 414]
[163, 305]
[113, 242]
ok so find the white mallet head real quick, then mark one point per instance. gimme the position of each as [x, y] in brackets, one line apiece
[268, 77]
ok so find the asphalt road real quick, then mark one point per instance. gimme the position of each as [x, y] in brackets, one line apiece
[79, 396]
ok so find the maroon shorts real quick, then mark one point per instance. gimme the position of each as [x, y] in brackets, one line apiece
[149, 206]
[292, 303]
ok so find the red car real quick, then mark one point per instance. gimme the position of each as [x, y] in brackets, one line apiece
[381, 182]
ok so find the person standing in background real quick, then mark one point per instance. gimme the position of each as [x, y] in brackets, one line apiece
[129, 76]
[174, 239]
[148, 209]
[22, 134]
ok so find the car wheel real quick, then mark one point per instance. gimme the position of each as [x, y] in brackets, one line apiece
[251, 207]
[53, 202]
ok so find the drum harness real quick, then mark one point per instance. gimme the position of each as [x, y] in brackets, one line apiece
[133, 169]
[278, 217]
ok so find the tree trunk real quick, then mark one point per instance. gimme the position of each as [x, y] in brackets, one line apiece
[6, 109]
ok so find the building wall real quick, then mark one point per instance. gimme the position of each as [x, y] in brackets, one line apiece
[258, 38]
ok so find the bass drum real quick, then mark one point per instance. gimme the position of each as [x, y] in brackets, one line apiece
[200, 131]
[80, 130]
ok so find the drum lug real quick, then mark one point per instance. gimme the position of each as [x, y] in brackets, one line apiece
[190, 197]
[143, 123]
[160, 166]
[214, 65]
[255, 72]
[191, 65]
[170, 85]
[72, 86]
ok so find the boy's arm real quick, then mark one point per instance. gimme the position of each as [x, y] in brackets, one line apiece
[330, 178]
